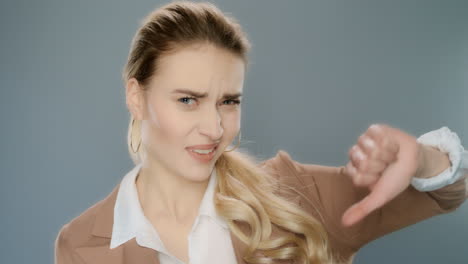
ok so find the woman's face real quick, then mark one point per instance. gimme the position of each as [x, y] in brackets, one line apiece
[175, 119]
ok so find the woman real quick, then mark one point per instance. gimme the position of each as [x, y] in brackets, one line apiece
[191, 198]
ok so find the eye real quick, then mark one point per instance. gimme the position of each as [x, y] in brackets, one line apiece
[233, 102]
[186, 99]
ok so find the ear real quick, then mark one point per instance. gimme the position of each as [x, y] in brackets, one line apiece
[134, 98]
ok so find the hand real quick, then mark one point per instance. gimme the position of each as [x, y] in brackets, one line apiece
[384, 160]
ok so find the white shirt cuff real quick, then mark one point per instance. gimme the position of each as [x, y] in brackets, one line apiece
[448, 142]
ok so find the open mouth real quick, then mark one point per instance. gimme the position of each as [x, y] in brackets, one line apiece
[202, 155]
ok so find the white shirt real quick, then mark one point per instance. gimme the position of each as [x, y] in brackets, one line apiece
[209, 240]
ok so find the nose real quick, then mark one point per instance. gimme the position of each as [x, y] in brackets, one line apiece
[211, 125]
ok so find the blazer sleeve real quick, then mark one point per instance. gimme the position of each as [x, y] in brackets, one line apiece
[326, 192]
[64, 253]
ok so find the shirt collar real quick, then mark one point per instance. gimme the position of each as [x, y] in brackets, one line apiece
[130, 221]
[207, 206]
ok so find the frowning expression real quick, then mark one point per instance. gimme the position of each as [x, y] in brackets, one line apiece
[193, 100]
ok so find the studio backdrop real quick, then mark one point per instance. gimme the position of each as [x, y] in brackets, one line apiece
[321, 72]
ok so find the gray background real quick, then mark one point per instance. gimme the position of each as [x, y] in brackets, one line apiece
[322, 72]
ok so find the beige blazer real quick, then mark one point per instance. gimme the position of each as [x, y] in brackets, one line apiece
[324, 191]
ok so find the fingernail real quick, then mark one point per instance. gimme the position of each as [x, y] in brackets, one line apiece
[359, 155]
[369, 143]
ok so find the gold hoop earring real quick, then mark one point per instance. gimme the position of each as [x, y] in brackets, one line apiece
[237, 145]
[131, 138]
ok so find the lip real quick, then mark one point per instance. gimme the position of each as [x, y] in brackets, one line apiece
[208, 146]
[203, 158]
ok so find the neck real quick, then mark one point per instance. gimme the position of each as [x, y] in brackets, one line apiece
[164, 195]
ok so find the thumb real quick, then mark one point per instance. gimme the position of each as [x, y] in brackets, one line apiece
[364, 207]
[384, 190]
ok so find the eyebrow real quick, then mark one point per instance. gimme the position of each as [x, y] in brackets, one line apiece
[203, 95]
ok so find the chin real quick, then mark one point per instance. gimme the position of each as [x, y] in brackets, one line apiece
[199, 174]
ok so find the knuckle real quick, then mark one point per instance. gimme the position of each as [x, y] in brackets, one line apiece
[375, 127]
[357, 161]
[362, 141]
[361, 138]
[352, 152]
[354, 161]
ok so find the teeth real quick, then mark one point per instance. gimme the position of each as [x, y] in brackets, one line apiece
[203, 151]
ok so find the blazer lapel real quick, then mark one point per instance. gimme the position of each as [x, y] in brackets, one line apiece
[98, 251]
[129, 252]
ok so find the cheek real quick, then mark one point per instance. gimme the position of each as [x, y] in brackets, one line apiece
[165, 126]
[231, 124]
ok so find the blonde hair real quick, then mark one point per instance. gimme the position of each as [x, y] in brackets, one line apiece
[245, 192]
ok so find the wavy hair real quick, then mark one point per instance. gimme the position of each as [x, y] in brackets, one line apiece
[245, 192]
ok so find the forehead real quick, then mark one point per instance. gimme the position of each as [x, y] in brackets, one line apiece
[201, 68]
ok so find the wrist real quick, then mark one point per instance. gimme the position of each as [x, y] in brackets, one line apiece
[442, 159]
[431, 162]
